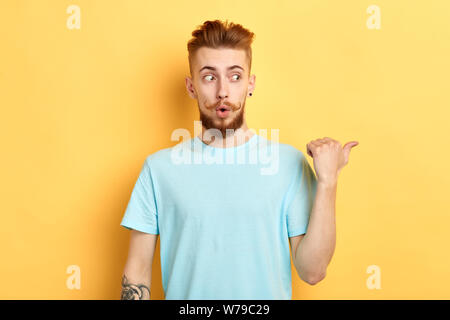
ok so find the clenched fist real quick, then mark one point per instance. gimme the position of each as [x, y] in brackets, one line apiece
[329, 158]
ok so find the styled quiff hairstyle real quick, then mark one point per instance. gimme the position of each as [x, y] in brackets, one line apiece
[217, 34]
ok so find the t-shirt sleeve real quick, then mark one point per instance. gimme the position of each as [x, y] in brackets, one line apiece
[141, 213]
[300, 199]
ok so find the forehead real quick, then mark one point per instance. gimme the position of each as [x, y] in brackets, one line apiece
[220, 59]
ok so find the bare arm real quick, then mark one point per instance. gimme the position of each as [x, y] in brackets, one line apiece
[136, 278]
[312, 252]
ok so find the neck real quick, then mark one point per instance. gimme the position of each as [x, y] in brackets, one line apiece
[240, 136]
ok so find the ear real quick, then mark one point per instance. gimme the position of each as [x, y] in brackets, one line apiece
[190, 88]
[251, 83]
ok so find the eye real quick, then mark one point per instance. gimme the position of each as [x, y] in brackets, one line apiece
[208, 75]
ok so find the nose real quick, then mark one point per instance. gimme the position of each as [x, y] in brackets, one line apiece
[222, 92]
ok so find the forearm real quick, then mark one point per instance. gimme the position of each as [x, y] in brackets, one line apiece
[315, 250]
[135, 285]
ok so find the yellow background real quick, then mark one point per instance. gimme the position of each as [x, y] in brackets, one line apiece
[81, 110]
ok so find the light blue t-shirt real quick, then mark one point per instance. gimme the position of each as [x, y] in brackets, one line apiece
[224, 222]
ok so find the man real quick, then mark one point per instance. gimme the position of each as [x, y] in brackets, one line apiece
[224, 225]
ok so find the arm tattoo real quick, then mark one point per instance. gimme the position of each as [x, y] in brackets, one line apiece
[132, 291]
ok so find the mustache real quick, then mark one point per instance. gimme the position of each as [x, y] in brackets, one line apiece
[220, 103]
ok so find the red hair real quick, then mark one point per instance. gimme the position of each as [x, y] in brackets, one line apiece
[217, 34]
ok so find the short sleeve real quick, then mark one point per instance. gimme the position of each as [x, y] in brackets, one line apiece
[141, 213]
[300, 198]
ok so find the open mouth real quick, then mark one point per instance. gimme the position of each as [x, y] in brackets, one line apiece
[222, 111]
[223, 107]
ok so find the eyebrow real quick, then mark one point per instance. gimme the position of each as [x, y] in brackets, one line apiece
[214, 69]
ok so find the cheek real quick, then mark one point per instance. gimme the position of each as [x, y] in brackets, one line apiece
[207, 93]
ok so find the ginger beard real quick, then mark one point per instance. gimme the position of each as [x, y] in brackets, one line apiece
[234, 120]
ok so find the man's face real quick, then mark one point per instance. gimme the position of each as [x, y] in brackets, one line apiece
[220, 84]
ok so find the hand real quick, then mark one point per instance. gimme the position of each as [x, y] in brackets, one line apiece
[329, 158]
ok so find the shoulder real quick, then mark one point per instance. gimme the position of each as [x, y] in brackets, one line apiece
[287, 153]
[163, 157]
